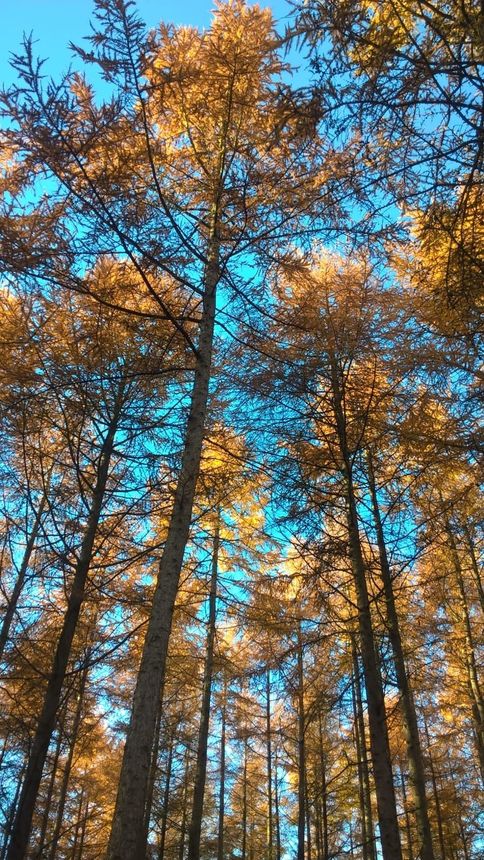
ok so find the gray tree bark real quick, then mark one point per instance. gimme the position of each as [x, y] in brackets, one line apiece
[47, 720]
[195, 829]
[412, 738]
[128, 840]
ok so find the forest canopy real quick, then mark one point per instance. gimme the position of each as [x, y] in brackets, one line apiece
[241, 588]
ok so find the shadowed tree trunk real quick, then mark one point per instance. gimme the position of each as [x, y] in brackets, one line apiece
[221, 797]
[475, 692]
[414, 751]
[166, 800]
[19, 583]
[379, 742]
[269, 766]
[127, 841]
[195, 828]
[47, 720]
[301, 747]
[368, 839]
[68, 765]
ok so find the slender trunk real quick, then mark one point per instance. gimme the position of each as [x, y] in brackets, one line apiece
[438, 809]
[276, 808]
[195, 828]
[412, 738]
[379, 741]
[244, 803]
[183, 823]
[78, 824]
[127, 841]
[82, 837]
[309, 849]
[166, 801]
[50, 791]
[153, 770]
[19, 583]
[46, 724]
[269, 766]
[70, 756]
[11, 814]
[475, 566]
[363, 776]
[301, 751]
[221, 800]
[318, 828]
[473, 679]
[407, 816]
[324, 796]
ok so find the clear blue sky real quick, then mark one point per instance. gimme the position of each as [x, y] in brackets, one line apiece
[57, 22]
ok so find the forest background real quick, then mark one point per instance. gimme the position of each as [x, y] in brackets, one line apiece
[241, 575]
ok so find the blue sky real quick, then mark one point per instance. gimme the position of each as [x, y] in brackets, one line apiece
[56, 22]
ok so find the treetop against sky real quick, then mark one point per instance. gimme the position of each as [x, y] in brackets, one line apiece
[55, 24]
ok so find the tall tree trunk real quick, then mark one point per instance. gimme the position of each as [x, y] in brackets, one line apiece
[195, 828]
[474, 687]
[379, 741]
[324, 795]
[83, 823]
[50, 790]
[438, 809]
[270, 828]
[68, 765]
[244, 803]
[46, 724]
[221, 796]
[277, 819]
[11, 813]
[127, 841]
[301, 747]
[367, 835]
[475, 565]
[77, 828]
[153, 771]
[166, 800]
[183, 823]
[408, 826]
[412, 738]
[19, 583]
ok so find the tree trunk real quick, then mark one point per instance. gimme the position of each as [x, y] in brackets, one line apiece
[166, 801]
[412, 738]
[78, 825]
[153, 770]
[269, 766]
[407, 816]
[244, 804]
[379, 741]
[127, 841]
[70, 756]
[367, 835]
[276, 809]
[438, 809]
[11, 813]
[195, 828]
[83, 823]
[46, 724]
[50, 791]
[221, 799]
[19, 583]
[324, 796]
[183, 823]
[301, 748]
[475, 692]
[475, 566]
